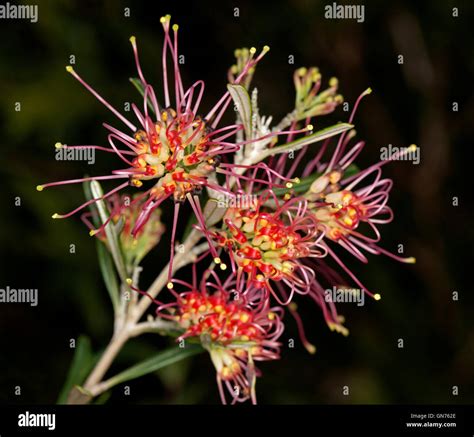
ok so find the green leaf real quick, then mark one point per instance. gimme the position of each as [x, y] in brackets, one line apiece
[92, 208]
[103, 398]
[323, 134]
[110, 232]
[241, 99]
[82, 363]
[105, 260]
[306, 182]
[160, 360]
[137, 83]
[108, 274]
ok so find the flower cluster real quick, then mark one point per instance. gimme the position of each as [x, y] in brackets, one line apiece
[235, 332]
[304, 200]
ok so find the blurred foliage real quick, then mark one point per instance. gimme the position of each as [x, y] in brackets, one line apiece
[411, 103]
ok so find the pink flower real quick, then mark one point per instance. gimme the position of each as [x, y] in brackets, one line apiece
[235, 331]
[266, 242]
[340, 200]
[171, 146]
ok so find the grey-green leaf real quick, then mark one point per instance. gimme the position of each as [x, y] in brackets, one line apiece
[160, 360]
[82, 363]
[323, 134]
[92, 208]
[241, 99]
[213, 212]
[110, 231]
[108, 274]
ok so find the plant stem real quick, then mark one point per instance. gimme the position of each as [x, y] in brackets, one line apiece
[113, 348]
[84, 396]
[92, 386]
[180, 260]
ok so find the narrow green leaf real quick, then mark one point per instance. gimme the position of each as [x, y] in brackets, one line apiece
[141, 89]
[92, 208]
[105, 260]
[241, 99]
[112, 237]
[82, 363]
[160, 360]
[108, 274]
[304, 141]
[103, 398]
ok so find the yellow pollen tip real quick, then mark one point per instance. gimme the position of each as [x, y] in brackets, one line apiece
[169, 285]
[412, 148]
[92, 232]
[296, 180]
[410, 260]
[58, 145]
[69, 69]
[133, 40]
[217, 260]
[368, 91]
[175, 27]
[223, 266]
[129, 281]
[377, 296]
[310, 348]
[289, 185]
[39, 187]
[55, 216]
[244, 318]
[293, 306]
[266, 48]
[309, 127]
[253, 50]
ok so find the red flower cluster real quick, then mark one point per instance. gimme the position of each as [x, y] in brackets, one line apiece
[279, 243]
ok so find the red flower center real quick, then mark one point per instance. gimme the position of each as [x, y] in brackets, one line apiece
[174, 151]
[262, 244]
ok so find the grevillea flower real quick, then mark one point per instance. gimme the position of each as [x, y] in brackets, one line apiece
[266, 241]
[235, 332]
[341, 200]
[173, 147]
[328, 201]
[343, 203]
[284, 215]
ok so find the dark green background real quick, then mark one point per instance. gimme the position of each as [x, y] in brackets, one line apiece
[411, 103]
